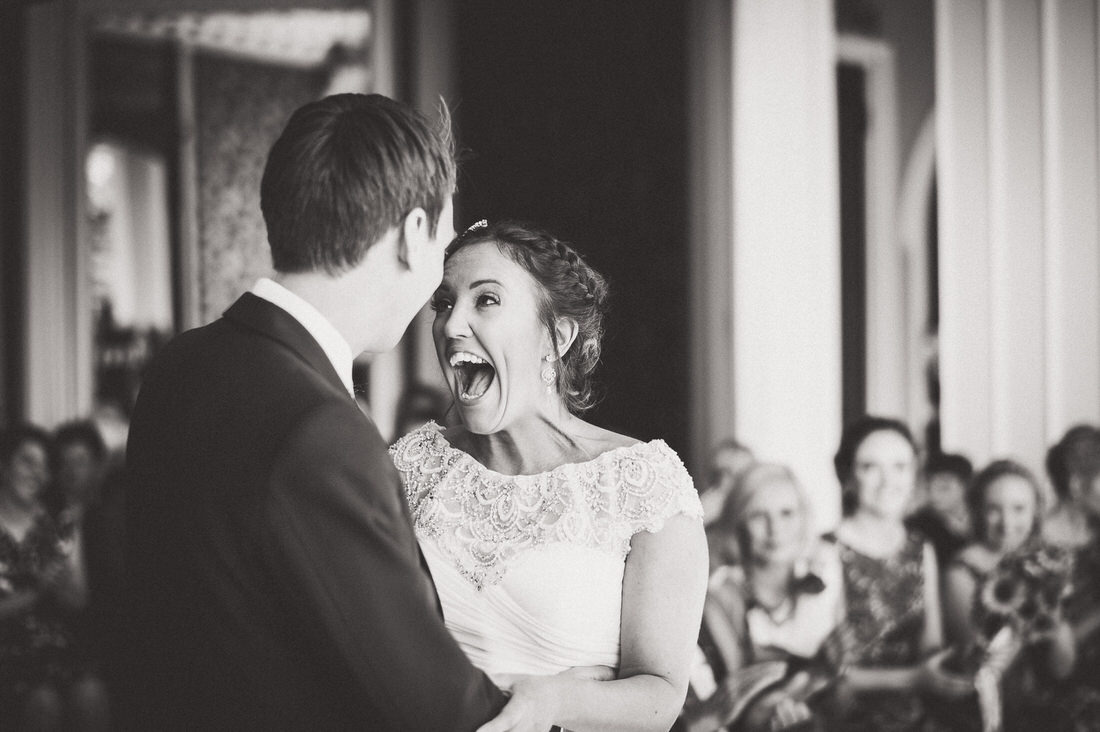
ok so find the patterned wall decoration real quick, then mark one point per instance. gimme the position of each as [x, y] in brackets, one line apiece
[241, 108]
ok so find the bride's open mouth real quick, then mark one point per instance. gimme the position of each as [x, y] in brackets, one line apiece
[473, 374]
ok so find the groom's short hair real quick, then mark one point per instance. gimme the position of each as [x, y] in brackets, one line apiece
[344, 171]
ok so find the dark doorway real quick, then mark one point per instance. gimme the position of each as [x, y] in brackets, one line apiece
[851, 82]
[574, 116]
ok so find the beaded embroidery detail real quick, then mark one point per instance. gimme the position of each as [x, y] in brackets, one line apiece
[482, 520]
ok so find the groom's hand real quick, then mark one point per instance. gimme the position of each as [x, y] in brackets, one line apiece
[533, 704]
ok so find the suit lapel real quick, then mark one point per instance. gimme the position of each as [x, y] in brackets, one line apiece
[262, 316]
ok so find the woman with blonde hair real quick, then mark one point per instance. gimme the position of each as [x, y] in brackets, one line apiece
[767, 618]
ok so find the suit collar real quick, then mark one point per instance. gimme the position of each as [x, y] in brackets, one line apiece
[262, 316]
[319, 326]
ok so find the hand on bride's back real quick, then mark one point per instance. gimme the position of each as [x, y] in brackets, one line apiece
[532, 707]
[534, 699]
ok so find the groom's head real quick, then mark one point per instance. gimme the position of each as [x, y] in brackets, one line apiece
[347, 169]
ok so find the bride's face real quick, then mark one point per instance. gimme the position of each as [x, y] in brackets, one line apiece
[489, 339]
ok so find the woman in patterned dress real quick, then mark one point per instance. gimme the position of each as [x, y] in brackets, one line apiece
[893, 615]
[556, 546]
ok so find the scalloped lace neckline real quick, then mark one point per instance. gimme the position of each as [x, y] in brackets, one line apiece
[607, 455]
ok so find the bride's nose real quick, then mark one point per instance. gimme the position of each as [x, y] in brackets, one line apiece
[457, 323]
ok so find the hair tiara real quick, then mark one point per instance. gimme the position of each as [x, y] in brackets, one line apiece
[479, 224]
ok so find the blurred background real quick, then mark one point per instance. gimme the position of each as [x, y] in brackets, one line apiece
[806, 209]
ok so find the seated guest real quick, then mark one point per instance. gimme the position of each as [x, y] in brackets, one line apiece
[1006, 508]
[40, 582]
[727, 462]
[778, 605]
[1006, 504]
[84, 493]
[893, 617]
[78, 458]
[1083, 607]
[1069, 464]
[944, 518]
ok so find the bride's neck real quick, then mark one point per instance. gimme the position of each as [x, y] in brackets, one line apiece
[527, 446]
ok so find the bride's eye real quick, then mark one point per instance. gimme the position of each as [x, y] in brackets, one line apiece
[439, 304]
[486, 299]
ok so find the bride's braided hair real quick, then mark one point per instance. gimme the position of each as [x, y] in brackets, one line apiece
[568, 288]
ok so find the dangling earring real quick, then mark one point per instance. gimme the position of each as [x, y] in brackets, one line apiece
[549, 374]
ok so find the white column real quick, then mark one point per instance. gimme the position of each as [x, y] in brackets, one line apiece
[786, 250]
[1017, 141]
[59, 333]
[387, 372]
[964, 261]
[1016, 230]
[435, 80]
[1072, 234]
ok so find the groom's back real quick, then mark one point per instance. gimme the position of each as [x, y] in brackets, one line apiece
[276, 580]
[216, 643]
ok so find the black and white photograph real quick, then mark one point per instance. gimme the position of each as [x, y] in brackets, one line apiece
[539, 365]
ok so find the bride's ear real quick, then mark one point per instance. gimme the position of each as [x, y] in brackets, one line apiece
[415, 235]
[565, 330]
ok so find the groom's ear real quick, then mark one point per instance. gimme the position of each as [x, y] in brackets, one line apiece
[414, 239]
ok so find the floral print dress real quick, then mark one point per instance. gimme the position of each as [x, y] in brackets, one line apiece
[883, 628]
[35, 646]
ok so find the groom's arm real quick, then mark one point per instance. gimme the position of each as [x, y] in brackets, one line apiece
[342, 543]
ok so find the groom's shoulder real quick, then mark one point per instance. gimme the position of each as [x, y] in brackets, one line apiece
[222, 347]
[242, 382]
[199, 342]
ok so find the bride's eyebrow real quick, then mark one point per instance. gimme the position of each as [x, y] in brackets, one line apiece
[479, 283]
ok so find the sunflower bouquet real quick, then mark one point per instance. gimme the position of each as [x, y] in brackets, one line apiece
[1019, 603]
[1024, 594]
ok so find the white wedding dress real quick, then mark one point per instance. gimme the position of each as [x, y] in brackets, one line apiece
[529, 568]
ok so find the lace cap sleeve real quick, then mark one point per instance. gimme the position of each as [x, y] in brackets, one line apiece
[422, 459]
[654, 486]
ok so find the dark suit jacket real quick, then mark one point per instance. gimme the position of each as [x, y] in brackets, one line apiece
[275, 580]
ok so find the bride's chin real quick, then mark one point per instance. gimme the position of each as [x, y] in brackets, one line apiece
[474, 418]
[478, 420]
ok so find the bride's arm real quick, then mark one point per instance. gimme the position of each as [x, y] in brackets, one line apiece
[663, 590]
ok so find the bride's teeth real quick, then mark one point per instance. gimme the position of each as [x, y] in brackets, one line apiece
[463, 357]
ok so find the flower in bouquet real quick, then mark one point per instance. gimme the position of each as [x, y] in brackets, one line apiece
[1024, 593]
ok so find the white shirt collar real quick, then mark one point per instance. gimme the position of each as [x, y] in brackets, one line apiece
[326, 335]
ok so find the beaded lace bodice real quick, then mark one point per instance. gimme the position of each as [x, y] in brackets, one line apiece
[483, 520]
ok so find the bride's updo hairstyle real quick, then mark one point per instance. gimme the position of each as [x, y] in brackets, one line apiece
[568, 288]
